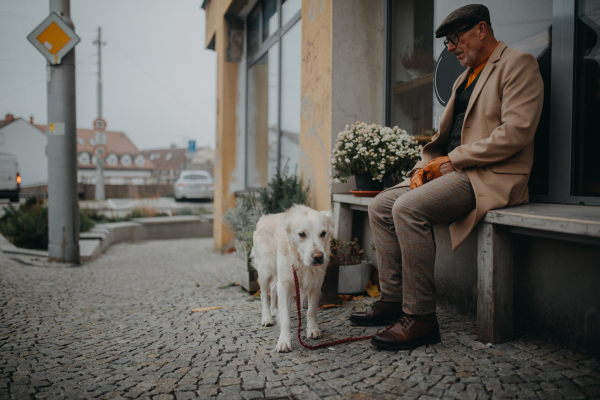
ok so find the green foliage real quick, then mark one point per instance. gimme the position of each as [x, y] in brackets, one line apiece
[27, 227]
[346, 253]
[283, 192]
[241, 220]
[85, 221]
[137, 213]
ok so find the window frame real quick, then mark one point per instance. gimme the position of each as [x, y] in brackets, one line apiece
[562, 103]
[263, 48]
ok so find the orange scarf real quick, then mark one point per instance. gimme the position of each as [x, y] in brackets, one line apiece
[479, 67]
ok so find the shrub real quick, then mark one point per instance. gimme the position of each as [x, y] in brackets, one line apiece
[28, 226]
[241, 220]
[85, 221]
[283, 192]
[346, 253]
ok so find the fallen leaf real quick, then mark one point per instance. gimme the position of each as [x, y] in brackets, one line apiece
[256, 294]
[356, 298]
[324, 306]
[373, 290]
[206, 309]
[344, 297]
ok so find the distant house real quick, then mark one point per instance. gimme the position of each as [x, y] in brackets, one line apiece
[168, 163]
[124, 163]
[29, 143]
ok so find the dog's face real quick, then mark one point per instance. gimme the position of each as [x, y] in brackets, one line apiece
[310, 232]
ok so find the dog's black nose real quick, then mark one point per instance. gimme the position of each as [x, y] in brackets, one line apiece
[318, 258]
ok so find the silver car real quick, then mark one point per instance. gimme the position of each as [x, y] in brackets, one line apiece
[194, 185]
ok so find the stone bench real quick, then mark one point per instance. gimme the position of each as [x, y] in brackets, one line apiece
[495, 250]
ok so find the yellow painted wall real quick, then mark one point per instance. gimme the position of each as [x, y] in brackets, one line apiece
[315, 126]
[226, 118]
[315, 135]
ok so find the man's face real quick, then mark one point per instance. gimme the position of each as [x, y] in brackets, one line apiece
[468, 46]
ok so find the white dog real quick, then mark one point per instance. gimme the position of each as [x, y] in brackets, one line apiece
[299, 237]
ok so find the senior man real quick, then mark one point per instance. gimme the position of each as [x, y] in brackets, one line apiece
[480, 159]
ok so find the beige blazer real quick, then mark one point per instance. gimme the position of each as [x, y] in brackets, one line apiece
[496, 150]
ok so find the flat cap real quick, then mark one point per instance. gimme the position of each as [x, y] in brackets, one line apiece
[473, 13]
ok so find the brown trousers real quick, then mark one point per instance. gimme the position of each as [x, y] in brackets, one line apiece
[402, 221]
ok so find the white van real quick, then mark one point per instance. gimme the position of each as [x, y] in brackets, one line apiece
[10, 179]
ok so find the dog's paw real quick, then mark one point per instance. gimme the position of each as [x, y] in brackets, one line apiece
[313, 333]
[266, 321]
[283, 346]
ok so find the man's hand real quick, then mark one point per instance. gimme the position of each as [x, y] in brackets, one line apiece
[437, 167]
[417, 179]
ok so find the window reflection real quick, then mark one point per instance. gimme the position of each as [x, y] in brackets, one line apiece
[289, 8]
[270, 18]
[415, 107]
[291, 63]
[253, 32]
[263, 133]
[586, 132]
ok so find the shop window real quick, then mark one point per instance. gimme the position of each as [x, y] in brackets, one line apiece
[263, 133]
[274, 59]
[586, 129]
[289, 9]
[270, 18]
[291, 63]
[422, 73]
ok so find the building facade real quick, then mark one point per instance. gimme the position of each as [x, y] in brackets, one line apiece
[291, 74]
[29, 143]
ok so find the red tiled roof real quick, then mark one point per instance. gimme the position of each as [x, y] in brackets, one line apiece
[116, 142]
[163, 161]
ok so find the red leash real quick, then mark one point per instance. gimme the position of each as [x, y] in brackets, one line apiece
[335, 342]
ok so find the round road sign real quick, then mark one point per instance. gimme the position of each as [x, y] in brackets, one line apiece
[99, 125]
[100, 151]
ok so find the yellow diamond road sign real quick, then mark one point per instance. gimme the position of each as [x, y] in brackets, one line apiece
[54, 38]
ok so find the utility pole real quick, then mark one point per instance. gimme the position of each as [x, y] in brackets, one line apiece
[100, 136]
[63, 208]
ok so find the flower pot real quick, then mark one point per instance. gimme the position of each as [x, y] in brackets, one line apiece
[365, 182]
[247, 274]
[353, 279]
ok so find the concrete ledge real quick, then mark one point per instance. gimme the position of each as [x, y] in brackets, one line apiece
[90, 249]
[561, 221]
[178, 227]
[92, 244]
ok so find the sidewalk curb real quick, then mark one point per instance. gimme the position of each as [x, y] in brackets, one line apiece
[95, 242]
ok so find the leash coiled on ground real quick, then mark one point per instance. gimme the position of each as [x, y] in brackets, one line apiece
[319, 346]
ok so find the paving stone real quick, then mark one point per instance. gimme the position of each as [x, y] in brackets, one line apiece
[122, 327]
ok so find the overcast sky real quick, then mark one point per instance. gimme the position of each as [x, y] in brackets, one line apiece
[159, 81]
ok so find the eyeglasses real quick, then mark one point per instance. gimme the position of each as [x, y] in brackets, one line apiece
[454, 37]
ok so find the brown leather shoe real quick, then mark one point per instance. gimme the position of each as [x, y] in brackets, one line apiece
[382, 313]
[410, 332]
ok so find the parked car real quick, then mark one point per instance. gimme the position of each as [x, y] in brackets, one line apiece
[194, 185]
[10, 179]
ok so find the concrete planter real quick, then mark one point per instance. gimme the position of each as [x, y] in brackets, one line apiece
[247, 274]
[353, 279]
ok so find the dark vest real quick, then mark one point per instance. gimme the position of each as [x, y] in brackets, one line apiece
[460, 108]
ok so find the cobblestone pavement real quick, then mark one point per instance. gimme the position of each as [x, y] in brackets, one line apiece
[122, 327]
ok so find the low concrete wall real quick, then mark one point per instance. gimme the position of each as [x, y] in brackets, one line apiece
[157, 228]
[87, 192]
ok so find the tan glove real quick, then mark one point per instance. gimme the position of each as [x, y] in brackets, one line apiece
[432, 168]
[417, 179]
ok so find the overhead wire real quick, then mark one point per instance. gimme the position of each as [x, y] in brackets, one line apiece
[149, 75]
[21, 88]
